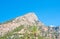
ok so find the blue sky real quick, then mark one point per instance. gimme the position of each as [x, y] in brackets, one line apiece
[48, 11]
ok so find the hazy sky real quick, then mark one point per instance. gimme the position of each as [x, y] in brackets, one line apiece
[48, 11]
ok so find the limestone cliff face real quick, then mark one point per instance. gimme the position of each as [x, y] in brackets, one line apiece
[26, 20]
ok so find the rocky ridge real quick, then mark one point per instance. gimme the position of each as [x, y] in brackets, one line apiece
[28, 19]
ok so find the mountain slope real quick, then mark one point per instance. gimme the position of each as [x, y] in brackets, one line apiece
[29, 19]
[25, 25]
[22, 24]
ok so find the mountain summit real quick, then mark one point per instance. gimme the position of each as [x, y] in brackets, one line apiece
[25, 23]
[26, 19]
[29, 19]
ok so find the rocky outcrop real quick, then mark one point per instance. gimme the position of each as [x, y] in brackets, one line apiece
[29, 19]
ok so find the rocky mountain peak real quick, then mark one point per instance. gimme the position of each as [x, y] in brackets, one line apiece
[29, 17]
[26, 20]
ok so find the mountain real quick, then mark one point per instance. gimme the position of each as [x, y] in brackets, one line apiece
[21, 24]
[29, 19]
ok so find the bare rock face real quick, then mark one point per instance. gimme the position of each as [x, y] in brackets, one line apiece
[28, 19]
